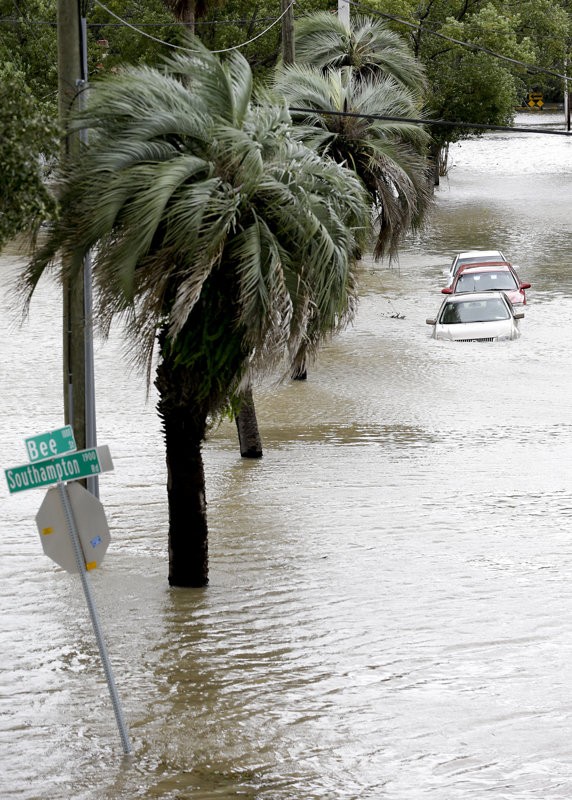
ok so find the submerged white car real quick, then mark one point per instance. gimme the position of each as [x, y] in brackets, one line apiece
[479, 317]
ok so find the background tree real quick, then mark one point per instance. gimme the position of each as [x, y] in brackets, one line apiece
[467, 85]
[388, 155]
[187, 11]
[28, 143]
[547, 25]
[368, 45]
[28, 41]
[216, 233]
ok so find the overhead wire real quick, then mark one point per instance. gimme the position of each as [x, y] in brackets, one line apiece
[357, 5]
[470, 45]
[442, 122]
[395, 18]
[187, 49]
[428, 121]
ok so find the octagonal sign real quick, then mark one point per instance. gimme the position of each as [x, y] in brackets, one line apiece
[90, 521]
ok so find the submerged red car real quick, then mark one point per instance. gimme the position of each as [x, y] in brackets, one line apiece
[498, 276]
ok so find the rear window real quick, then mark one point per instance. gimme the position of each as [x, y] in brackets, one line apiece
[486, 282]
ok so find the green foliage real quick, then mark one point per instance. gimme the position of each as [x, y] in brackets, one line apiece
[388, 155]
[28, 40]
[28, 141]
[111, 44]
[474, 86]
[208, 220]
[548, 27]
[367, 44]
[488, 95]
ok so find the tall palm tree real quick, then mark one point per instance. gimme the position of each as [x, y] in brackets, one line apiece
[325, 41]
[218, 238]
[370, 132]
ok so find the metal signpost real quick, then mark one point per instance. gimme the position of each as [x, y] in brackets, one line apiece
[71, 521]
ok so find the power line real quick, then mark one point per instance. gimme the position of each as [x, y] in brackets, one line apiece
[187, 49]
[198, 23]
[444, 122]
[470, 45]
[418, 26]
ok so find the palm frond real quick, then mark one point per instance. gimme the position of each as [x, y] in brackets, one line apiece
[389, 155]
[324, 41]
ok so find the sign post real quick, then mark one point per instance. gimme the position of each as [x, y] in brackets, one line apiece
[82, 569]
[71, 522]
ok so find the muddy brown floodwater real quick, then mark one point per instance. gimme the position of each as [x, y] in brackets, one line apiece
[389, 615]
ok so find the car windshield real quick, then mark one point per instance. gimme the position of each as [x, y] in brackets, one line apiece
[486, 282]
[487, 310]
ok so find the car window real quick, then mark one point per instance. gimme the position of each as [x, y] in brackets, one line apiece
[486, 282]
[474, 311]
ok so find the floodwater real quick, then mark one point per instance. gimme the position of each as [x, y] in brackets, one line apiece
[389, 615]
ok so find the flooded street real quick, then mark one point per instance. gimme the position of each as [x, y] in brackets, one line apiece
[389, 615]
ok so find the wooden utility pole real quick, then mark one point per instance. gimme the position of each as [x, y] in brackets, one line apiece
[79, 393]
[287, 7]
[70, 77]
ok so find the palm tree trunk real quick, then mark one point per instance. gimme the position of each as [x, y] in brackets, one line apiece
[184, 425]
[189, 16]
[247, 426]
[299, 372]
[434, 161]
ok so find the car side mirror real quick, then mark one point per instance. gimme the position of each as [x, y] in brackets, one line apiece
[447, 290]
[524, 286]
[433, 321]
[519, 315]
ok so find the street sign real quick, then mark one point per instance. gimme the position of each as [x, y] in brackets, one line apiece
[535, 100]
[71, 522]
[91, 524]
[73, 467]
[53, 443]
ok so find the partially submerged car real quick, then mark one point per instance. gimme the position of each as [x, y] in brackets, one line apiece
[471, 257]
[479, 317]
[490, 277]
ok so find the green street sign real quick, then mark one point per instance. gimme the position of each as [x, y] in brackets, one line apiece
[53, 443]
[73, 467]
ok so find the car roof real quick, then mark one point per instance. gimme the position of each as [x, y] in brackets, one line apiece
[470, 253]
[468, 297]
[486, 266]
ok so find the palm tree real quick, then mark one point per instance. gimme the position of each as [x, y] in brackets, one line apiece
[370, 132]
[325, 41]
[220, 240]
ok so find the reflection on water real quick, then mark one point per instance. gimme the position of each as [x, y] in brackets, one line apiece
[390, 585]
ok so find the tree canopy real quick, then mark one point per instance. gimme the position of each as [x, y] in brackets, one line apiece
[28, 141]
[464, 84]
[468, 84]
